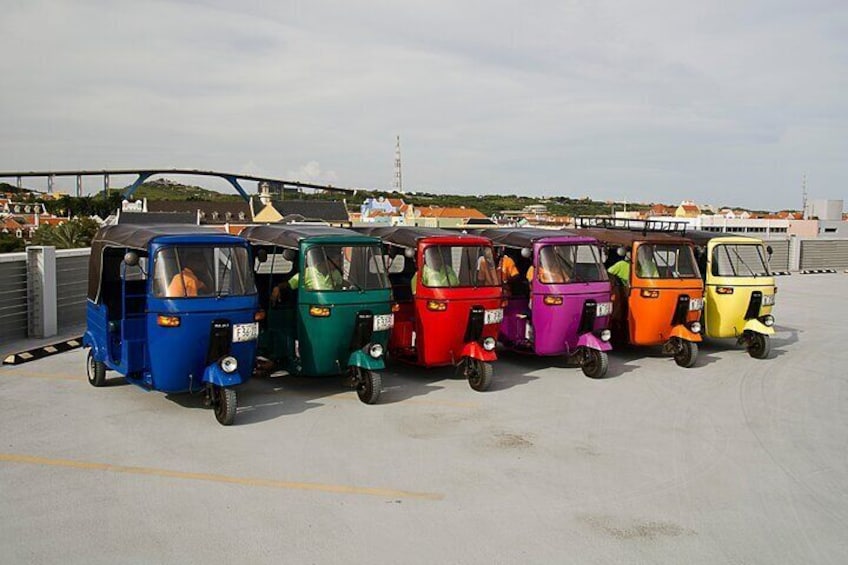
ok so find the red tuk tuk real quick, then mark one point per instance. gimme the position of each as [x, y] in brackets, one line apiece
[449, 300]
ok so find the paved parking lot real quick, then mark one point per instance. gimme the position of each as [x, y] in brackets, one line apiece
[733, 461]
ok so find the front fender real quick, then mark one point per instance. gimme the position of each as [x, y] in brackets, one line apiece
[683, 332]
[215, 375]
[592, 341]
[360, 358]
[96, 350]
[756, 326]
[475, 351]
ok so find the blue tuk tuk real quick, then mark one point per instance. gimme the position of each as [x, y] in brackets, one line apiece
[172, 308]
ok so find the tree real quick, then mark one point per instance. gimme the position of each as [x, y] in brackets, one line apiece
[10, 244]
[70, 235]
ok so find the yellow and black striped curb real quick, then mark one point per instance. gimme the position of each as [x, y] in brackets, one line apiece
[43, 351]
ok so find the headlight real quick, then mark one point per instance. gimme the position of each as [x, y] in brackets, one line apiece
[696, 304]
[603, 309]
[489, 344]
[606, 335]
[695, 327]
[375, 351]
[768, 320]
[229, 364]
[768, 300]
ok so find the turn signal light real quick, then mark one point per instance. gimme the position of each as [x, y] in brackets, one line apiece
[648, 293]
[259, 316]
[395, 307]
[319, 311]
[552, 300]
[437, 305]
[168, 321]
[724, 290]
[504, 303]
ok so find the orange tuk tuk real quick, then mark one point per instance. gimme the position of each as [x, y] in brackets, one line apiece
[658, 293]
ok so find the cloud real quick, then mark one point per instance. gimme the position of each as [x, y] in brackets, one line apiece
[658, 100]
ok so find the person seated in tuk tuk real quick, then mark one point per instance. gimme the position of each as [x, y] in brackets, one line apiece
[187, 283]
[436, 272]
[506, 265]
[320, 274]
[646, 266]
[487, 270]
[551, 269]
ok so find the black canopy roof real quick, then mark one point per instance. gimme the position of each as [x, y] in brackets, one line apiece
[288, 235]
[519, 237]
[406, 236]
[132, 236]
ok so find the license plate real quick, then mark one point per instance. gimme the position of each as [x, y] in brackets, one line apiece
[493, 316]
[603, 309]
[696, 304]
[768, 300]
[245, 332]
[383, 322]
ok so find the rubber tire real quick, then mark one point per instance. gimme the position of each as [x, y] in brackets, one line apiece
[479, 374]
[687, 357]
[369, 386]
[759, 346]
[596, 364]
[224, 404]
[95, 370]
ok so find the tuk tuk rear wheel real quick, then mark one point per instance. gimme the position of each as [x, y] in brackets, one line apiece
[224, 402]
[759, 346]
[95, 370]
[687, 353]
[479, 374]
[595, 363]
[368, 385]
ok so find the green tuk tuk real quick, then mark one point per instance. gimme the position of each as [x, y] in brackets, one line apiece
[327, 300]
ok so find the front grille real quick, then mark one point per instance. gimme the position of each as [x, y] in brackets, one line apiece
[474, 329]
[680, 310]
[362, 330]
[754, 305]
[220, 338]
[587, 318]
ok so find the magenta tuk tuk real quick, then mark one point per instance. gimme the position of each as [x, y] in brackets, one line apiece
[558, 299]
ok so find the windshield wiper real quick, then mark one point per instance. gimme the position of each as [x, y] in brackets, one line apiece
[741, 260]
[220, 290]
[341, 272]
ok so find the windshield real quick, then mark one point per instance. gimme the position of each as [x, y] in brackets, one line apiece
[739, 260]
[669, 261]
[570, 263]
[459, 265]
[194, 271]
[344, 267]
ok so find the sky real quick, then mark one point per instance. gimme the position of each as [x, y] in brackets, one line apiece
[723, 103]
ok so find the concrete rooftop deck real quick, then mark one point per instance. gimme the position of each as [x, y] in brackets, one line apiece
[733, 461]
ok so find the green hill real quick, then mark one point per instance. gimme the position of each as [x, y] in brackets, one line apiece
[169, 190]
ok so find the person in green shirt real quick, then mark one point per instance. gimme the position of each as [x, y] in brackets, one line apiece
[646, 267]
[435, 272]
[621, 269]
[320, 274]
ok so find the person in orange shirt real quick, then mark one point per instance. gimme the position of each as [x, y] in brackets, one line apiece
[186, 283]
[506, 265]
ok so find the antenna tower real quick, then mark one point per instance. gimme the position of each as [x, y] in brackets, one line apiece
[804, 196]
[397, 183]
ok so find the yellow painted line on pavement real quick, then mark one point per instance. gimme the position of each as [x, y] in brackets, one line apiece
[244, 481]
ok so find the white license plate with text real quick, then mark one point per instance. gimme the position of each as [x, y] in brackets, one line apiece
[245, 332]
[383, 322]
[493, 316]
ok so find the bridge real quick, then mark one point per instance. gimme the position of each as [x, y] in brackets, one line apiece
[143, 175]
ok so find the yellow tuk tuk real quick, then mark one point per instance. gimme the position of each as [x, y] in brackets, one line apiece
[739, 289]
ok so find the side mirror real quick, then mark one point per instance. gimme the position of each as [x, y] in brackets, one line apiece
[131, 259]
[769, 250]
[621, 251]
[261, 255]
[409, 253]
[526, 252]
[289, 255]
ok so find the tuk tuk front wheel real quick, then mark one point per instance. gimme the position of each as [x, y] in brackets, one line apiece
[224, 402]
[95, 370]
[595, 363]
[686, 353]
[479, 374]
[368, 385]
[759, 346]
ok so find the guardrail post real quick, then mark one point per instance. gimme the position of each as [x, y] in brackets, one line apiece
[794, 253]
[41, 292]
